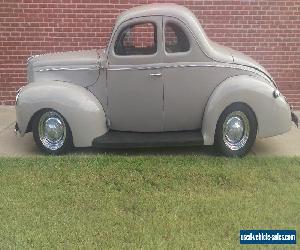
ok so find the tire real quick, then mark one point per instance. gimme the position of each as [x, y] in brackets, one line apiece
[236, 130]
[51, 132]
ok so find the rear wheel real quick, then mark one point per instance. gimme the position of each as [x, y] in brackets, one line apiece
[236, 130]
[51, 132]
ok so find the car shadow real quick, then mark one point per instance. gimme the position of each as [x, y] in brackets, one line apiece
[165, 151]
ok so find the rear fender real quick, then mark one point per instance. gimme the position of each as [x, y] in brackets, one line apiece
[273, 114]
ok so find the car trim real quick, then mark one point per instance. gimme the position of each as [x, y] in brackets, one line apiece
[31, 57]
[95, 67]
[223, 65]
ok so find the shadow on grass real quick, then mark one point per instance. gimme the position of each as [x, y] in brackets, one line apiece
[200, 150]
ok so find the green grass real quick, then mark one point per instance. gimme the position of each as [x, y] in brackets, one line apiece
[149, 202]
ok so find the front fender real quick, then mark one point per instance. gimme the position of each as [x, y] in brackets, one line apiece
[81, 109]
[273, 115]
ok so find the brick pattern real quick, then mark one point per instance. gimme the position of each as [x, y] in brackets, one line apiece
[170, 35]
[267, 30]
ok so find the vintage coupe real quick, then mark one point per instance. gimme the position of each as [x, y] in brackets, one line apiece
[159, 82]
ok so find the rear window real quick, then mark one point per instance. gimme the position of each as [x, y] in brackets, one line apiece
[175, 39]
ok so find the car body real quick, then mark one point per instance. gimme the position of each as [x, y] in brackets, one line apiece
[160, 81]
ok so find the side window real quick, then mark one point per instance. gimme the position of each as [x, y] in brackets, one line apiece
[137, 39]
[175, 39]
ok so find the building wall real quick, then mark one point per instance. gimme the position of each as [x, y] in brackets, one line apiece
[269, 31]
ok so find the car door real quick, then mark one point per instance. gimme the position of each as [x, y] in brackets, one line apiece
[134, 82]
[187, 81]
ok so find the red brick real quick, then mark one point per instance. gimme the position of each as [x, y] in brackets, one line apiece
[269, 31]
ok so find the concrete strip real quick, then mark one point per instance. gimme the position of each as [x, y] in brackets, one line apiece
[7, 117]
[11, 145]
[282, 145]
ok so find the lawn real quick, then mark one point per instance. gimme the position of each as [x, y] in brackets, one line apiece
[150, 202]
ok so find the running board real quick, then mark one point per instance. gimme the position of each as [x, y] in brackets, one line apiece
[118, 139]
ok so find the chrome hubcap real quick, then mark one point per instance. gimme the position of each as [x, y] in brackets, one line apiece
[236, 130]
[52, 130]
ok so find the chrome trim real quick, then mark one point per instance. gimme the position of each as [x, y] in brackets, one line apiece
[155, 74]
[52, 130]
[31, 57]
[66, 69]
[18, 94]
[276, 93]
[16, 130]
[223, 65]
[236, 130]
[136, 68]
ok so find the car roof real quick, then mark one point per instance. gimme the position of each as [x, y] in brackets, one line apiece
[184, 15]
[157, 9]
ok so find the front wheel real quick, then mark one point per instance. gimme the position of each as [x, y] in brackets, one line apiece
[51, 132]
[236, 130]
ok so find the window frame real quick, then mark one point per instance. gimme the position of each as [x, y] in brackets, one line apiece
[184, 30]
[130, 26]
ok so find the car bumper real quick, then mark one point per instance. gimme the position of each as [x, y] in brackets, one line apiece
[295, 119]
[17, 130]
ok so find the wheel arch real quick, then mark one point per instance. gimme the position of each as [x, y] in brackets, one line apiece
[254, 93]
[63, 145]
[40, 111]
[236, 103]
[238, 143]
[79, 107]
[29, 126]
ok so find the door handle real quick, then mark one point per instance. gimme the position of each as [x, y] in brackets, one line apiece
[155, 74]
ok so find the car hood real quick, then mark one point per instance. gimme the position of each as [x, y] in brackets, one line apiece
[78, 67]
[229, 55]
[70, 58]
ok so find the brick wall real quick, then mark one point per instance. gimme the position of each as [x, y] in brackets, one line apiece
[269, 31]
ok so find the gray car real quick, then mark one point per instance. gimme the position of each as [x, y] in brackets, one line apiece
[160, 82]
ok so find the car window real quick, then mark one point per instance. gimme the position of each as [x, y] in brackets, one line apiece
[175, 39]
[137, 39]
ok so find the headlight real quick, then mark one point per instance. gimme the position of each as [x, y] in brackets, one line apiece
[18, 94]
[276, 93]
